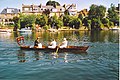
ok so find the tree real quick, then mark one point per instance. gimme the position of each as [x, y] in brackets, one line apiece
[59, 23]
[52, 3]
[27, 20]
[100, 12]
[66, 20]
[16, 21]
[87, 23]
[97, 11]
[81, 17]
[105, 21]
[113, 16]
[41, 20]
[96, 14]
[75, 22]
[55, 22]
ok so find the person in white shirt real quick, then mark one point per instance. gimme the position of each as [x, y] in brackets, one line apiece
[64, 43]
[52, 44]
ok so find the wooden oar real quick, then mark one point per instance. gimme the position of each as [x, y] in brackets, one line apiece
[57, 49]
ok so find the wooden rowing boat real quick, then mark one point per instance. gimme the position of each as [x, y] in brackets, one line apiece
[67, 49]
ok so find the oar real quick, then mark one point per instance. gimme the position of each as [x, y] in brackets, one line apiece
[57, 50]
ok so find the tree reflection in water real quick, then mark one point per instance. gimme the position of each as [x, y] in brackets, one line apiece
[21, 56]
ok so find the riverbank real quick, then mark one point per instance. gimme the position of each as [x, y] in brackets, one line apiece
[83, 28]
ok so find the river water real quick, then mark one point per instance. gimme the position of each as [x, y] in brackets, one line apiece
[100, 62]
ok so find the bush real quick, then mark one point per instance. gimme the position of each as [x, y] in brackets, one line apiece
[111, 24]
[46, 27]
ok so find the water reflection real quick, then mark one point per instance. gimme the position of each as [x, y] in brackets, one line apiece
[104, 36]
[21, 56]
[74, 37]
[38, 55]
[24, 56]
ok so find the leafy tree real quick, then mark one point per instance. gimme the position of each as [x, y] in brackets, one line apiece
[16, 21]
[100, 11]
[46, 27]
[27, 21]
[81, 17]
[97, 11]
[105, 21]
[111, 24]
[52, 3]
[41, 20]
[92, 11]
[96, 14]
[87, 23]
[59, 23]
[66, 20]
[55, 22]
[75, 22]
[113, 15]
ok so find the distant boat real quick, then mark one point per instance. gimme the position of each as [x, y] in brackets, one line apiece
[25, 30]
[5, 30]
[53, 30]
[115, 28]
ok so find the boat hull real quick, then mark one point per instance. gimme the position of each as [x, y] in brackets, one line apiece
[67, 49]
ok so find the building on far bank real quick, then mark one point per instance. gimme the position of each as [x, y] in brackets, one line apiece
[39, 9]
[54, 10]
[7, 15]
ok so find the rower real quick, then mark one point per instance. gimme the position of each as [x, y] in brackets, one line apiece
[52, 44]
[37, 44]
[64, 43]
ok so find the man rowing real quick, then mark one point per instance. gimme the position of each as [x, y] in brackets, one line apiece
[64, 43]
[37, 43]
[52, 44]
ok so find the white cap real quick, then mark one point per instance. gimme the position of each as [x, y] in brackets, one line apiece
[64, 39]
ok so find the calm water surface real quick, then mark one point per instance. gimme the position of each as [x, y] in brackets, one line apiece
[100, 62]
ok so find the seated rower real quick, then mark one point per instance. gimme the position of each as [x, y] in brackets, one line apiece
[64, 43]
[37, 44]
[52, 44]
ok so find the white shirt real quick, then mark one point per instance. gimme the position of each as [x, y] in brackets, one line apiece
[64, 44]
[52, 44]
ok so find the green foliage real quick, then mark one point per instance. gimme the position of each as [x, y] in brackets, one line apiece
[16, 21]
[81, 17]
[113, 15]
[55, 22]
[41, 20]
[97, 11]
[46, 27]
[27, 20]
[52, 3]
[96, 14]
[66, 20]
[75, 22]
[111, 24]
[105, 21]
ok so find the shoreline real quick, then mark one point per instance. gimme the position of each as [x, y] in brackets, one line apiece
[6, 29]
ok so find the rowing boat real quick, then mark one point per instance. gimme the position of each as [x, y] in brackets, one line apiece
[67, 49]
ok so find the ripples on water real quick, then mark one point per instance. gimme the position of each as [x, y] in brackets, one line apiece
[100, 62]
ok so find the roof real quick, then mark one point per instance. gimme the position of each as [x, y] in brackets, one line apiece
[10, 11]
